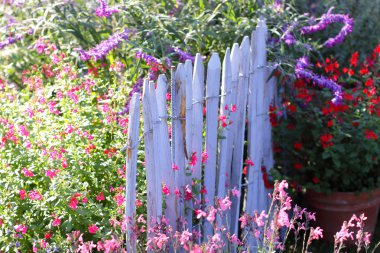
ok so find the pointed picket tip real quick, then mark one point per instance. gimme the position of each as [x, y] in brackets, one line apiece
[145, 91]
[227, 56]
[214, 62]
[235, 61]
[198, 62]
[244, 52]
[261, 23]
[188, 64]
[162, 82]
[253, 48]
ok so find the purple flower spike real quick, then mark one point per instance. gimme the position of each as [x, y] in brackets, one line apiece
[104, 11]
[11, 40]
[150, 60]
[301, 72]
[183, 56]
[328, 19]
[102, 49]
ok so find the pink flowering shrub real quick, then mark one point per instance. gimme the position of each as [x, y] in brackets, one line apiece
[61, 169]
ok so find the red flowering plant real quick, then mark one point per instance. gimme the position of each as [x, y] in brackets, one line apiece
[332, 146]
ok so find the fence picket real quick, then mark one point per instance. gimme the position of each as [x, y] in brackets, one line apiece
[151, 178]
[256, 112]
[197, 135]
[188, 69]
[224, 112]
[238, 152]
[178, 124]
[167, 173]
[212, 102]
[131, 167]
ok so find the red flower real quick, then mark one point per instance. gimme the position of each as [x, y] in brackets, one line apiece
[363, 71]
[369, 82]
[370, 134]
[354, 59]
[92, 229]
[298, 166]
[315, 180]
[297, 145]
[330, 123]
[326, 140]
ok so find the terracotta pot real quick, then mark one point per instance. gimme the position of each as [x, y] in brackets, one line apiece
[331, 210]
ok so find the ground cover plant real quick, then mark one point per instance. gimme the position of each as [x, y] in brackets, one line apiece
[67, 70]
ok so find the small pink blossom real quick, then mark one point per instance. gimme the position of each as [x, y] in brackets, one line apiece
[204, 157]
[92, 229]
[200, 213]
[35, 195]
[22, 194]
[56, 222]
[119, 199]
[211, 214]
[26, 172]
[165, 190]
[21, 228]
[235, 192]
[100, 196]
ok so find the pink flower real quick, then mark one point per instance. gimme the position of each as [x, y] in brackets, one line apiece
[204, 157]
[211, 214]
[165, 190]
[92, 229]
[315, 234]
[283, 218]
[185, 238]
[26, 172]
[51, 173]
[200, 213]
[225, 203]
[161, 241]
[56, 222]
[100, 197]
[233, 108]
[235, 192]
[21, 228]
[119, 199]
[73, 203]
[193, 159]
[22, 194]
[235, 240]
[35, 195]
[23, 130]
[249, 162]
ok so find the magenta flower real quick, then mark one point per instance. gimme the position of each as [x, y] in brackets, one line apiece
[92, 229]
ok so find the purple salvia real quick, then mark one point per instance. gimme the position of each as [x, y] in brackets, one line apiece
[104, 11]
[137, 87]
[288, 36]
[102, 49]
[328, 19]
[150, 60]
[302, 72]
[11, 40]
[183, 56]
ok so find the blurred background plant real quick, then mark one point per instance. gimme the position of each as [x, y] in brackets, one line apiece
[366, 33]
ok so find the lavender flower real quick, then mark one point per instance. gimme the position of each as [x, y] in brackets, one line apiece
[104, 11]
[150, 60]
[11, 40]
[102, 49]
[328, 19]
[183, 56]
[288, 36]
[301, 72]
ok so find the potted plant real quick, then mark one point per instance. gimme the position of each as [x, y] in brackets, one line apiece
[332, 148]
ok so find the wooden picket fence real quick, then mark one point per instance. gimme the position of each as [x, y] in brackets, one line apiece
[241, 81]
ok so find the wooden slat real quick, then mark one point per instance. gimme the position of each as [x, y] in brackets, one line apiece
[212, 102]
[167, 173]
[225, 142]
[178, 129]
[188, 70]
[152, 201]
[255, 190]
[131, 166]
[238, 152]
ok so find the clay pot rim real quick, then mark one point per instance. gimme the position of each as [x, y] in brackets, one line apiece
[373, 192]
